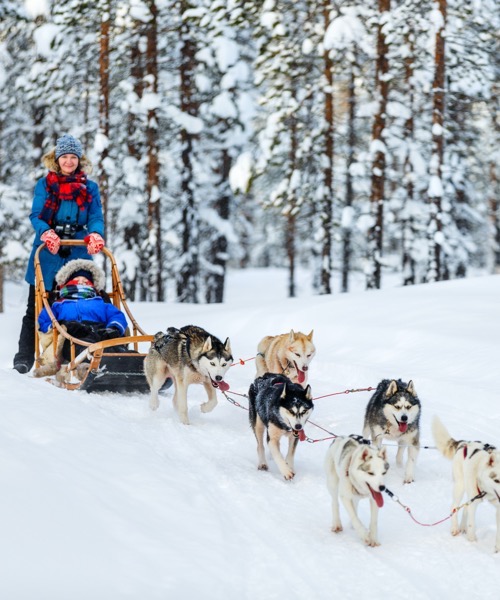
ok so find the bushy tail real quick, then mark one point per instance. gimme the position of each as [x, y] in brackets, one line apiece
[445, 443]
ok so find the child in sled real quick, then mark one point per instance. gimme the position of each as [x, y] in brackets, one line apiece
[81, 311]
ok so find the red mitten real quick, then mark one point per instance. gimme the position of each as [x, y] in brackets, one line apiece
[52, 241]
[95, 243]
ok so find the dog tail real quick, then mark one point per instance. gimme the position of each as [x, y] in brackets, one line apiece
[445, 443]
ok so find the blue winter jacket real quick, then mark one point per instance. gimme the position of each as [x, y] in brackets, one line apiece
[90, 309]
[88, 220]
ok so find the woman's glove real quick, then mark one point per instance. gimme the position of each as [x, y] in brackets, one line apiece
[95, 243]
[52, 241]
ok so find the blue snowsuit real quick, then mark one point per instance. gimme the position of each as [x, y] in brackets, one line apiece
[88, 309]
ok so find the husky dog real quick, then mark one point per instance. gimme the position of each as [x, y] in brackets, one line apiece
[281, 407]
[287, 354]
[476, 472]
[394, 412]
[187, 355]
[356, 470]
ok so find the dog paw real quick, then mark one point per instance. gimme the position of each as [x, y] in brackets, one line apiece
[455, 531]
[208, 406]
[408, 480]
[471, 537]
[262, 467]
[154, 404]
[288, 475]
[337, 528]
[371, 542]
[184, 419]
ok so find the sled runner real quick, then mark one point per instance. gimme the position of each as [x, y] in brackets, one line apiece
[113, 365]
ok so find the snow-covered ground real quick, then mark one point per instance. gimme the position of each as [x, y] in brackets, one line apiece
[102, 499]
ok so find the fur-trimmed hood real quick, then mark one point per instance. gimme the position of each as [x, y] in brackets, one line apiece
[64, 274]
[49, 161]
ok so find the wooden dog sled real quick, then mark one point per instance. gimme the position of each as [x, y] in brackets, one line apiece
[110, 369]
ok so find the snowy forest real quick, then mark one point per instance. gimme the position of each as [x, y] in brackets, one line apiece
[341, 137]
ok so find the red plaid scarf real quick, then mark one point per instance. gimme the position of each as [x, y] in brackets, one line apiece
[60, 188]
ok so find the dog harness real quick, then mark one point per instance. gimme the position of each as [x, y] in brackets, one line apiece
[285, 370]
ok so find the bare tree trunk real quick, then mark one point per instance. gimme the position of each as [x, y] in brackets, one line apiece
[2, 279]
[408, 262]
[349, 194]
[187, 280]
[435, 270]
[290, 252]
[494, 203]
[38, 133]
[326, 210]
[133, 232]
[375, 235]
[215, 281]
[494, 206]
[291, 220]
[153, 167]
[104, 108]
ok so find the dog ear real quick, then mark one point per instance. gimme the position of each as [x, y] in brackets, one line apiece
[292, 335]
[411, 388]
[283, 393]
[310, 336]
[383, 453]
[392, 389]
[227, 346]
[207, 345]
[491, 460]
[308, 393]
[365, 454]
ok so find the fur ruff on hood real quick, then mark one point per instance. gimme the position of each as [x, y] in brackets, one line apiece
[64, 274]
[49, 161]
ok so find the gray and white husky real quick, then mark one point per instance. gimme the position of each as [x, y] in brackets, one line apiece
[187, 355]
[476, 473]
[356, 470]
[281, 408]
[393, 412]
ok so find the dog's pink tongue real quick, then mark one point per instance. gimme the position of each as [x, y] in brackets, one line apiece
[300, 375]
[223, 386]
[301, 434]
[377, 496]
[403, 427]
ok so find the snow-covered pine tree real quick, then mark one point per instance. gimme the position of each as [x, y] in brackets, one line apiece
[378, 150]
[288, 164]
[225, 62]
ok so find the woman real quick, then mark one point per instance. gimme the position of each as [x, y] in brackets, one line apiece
[66, 205]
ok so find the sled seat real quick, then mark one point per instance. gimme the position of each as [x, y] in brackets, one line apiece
[122, 373]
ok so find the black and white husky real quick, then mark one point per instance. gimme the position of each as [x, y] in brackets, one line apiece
[282, 408]
[393, 412]
[476, 473]
[356, 470]
[187, 355]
